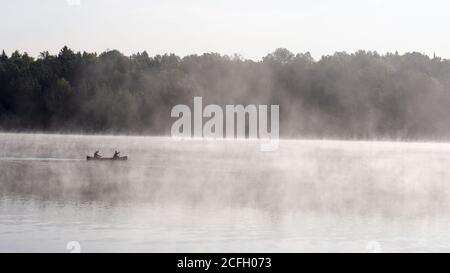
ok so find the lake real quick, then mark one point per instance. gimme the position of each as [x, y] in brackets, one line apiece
[222, 196]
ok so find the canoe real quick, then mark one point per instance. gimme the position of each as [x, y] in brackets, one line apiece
[120, 158]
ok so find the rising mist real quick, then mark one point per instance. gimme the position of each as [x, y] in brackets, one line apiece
[360, 95]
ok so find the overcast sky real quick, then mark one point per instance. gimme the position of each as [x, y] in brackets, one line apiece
[251, 28]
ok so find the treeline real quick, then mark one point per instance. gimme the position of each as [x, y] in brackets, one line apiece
[359, 95]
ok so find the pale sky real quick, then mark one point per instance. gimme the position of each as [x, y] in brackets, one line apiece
[251, 28]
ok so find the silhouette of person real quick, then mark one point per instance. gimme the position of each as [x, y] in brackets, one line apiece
[96, 154]
[116, 154]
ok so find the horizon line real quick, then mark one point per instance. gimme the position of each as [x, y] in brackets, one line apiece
[232, 55]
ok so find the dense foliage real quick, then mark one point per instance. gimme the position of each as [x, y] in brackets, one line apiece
[360, 95]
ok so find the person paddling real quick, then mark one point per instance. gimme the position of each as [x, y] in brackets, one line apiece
[96, 154]
[116, 154]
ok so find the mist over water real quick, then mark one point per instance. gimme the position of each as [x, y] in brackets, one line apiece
[205, 195]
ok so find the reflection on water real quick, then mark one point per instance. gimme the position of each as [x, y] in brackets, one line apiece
[222, 195]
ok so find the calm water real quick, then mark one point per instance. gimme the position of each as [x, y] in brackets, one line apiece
[198, 195]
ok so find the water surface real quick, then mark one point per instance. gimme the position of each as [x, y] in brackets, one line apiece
[222, 196]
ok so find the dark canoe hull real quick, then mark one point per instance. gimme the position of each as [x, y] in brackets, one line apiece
[122, 158]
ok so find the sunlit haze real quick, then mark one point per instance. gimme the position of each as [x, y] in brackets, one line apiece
[250, 28]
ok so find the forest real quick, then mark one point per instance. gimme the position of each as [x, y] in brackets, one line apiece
[361, 95]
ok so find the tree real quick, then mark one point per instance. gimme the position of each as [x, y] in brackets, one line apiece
[362, 94]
